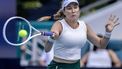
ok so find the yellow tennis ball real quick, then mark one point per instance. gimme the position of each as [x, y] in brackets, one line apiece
[23, 33]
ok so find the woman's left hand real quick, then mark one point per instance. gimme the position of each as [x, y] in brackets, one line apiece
[112, 22]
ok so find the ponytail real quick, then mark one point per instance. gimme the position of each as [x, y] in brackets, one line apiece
[59, 15]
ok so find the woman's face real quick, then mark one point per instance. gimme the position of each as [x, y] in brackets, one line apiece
[72, 11]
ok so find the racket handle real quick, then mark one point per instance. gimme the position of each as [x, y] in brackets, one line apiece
[48, 33]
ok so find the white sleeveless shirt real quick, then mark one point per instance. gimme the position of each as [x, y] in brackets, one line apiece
[99, 58]
[68, 45]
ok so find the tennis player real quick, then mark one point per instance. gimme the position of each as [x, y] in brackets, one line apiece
[70, 35]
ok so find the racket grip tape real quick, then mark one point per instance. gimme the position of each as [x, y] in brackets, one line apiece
[48, 33]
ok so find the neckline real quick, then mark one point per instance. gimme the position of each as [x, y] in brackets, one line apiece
[70, 26]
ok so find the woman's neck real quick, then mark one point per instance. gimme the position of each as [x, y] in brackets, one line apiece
[73, 23]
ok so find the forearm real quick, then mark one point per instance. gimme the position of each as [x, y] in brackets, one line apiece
[105, 40]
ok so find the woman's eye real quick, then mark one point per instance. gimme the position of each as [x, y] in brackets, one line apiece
[69, 8]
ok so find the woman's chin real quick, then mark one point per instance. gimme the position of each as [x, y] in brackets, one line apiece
[73, 18]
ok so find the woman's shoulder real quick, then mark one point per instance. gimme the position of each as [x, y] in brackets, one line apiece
[57, 24]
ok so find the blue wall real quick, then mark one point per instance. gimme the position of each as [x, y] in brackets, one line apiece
[7, 9]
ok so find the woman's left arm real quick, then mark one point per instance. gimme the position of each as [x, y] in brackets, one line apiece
[102, 42]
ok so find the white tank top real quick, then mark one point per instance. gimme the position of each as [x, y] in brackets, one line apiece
[68, 45]
[99, 58]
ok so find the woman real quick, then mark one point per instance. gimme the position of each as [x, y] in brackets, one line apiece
[70, 35]
[100, 58]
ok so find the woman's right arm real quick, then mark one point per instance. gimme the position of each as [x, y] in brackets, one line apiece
[56, 29]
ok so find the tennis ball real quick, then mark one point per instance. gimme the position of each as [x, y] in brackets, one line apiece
[23, 33]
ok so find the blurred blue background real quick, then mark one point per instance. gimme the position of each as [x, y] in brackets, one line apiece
[7, 9]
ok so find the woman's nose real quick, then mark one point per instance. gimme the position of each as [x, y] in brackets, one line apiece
[73, 10]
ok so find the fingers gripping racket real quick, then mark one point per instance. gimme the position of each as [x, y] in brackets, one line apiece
[30, 36]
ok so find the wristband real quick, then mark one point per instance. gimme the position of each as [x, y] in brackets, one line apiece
[107, 35]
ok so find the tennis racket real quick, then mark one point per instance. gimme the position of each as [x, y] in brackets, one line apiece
[17, 19]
